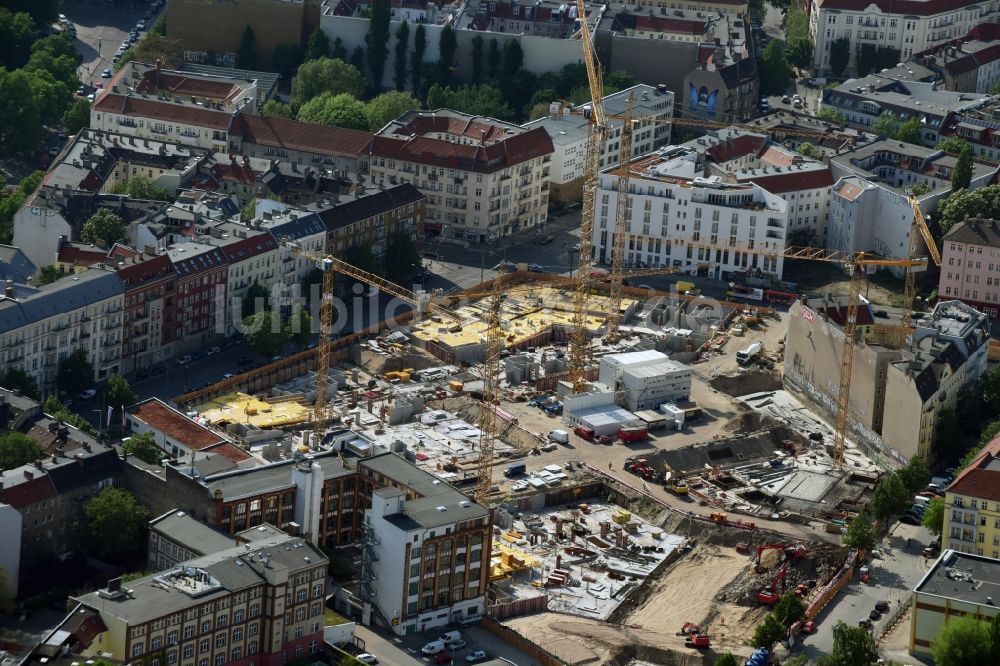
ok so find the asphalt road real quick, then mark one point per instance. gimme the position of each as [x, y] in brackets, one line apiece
[99, 31]
[405, 651]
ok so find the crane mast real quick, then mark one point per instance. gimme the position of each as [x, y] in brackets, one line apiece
[488, 430]
[622, 223]
[579, 352]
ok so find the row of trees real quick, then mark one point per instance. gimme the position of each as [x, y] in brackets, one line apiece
[10, 203]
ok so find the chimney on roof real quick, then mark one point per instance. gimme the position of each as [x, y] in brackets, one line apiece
[8, 288]
[28, 475]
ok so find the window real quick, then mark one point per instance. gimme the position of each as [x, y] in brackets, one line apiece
[172, 638]
[204, 645]
[172, 657]
[300, 614]
[188, 632]
[237, 653]
[255, 610]
[317, 609]
[203, 661]
[220, 640]
[317, 589]
[299, 632]
[252, 647]
[206, 626]
[156, 643]
[188, 651]
[220, 659]
[137, 649]
[252, 629]
[222, 621]
[301, 595]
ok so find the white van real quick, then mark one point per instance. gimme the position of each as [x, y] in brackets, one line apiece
[920, 499]
[433, 648]
[559, 436]
[449, 636]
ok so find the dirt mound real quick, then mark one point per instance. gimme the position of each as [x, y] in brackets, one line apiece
[745, 382]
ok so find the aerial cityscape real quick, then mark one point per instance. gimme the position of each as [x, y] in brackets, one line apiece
[502, 332]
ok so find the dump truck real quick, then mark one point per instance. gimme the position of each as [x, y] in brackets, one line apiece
[637, 434]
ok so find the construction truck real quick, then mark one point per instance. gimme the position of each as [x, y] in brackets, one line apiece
[749, 354]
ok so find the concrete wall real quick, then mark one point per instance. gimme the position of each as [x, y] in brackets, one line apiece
[37, 231]
[10, 549]
[932, 612]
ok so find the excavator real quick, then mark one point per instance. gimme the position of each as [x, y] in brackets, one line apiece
[675, 484]
[772, 593]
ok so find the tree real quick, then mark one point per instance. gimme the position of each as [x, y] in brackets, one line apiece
[989, 434]
[810, 151]
[116, 523]
[20, 116]
[477, 59]
[768, 632]
[127, 56]
[727, 660]
[983, 202]
[338, 51]
[914, 475]
[58, 411]
[17, 449]
[42, 11]
[300, 327]
[47, 275]
[104, 225]
[318, 45]
[286, 59]
[358, 58]
[387, 107]
[910, 132]
[257, 299]
[52, 97]
[963, 641]
[852, 646]
[77, 116]
[617, 80]
[493, 59]
[152, 48]
[326, 75]
[789, 609]
[361, 256]
[117, 392]
[264, 332]
[860, 533]
[920, 189]
[141, 187]
[475, 100]
[144, 448]
[402, 259]
[954, 144]
[417, 60]
[886, 125]
[961, 177]
[377, 40]
[277, 109]
[933, 518]
[890, 497]
[775, 73]
[799, 52]
[246, 56]
[829, 115]
[840, 54]
[517, 90]
[447, 45]
[16, 379]
[399, 66]
[159, 28]
[75, 373]
[17, 32]
[340, 110]
[513, 58]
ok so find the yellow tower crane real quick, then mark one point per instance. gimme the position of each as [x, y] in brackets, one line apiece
[488, 430]
[622, 222]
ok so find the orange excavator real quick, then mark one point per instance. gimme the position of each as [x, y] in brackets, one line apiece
[772, 593]
[794, 551]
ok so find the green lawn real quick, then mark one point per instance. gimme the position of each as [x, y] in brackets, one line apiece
[333, 619]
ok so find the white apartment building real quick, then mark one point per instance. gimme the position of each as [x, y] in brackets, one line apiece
[40, 327]
[253, 259]
[679, 218]
[910, 26]
[289, 225]
[652, 109]
[433, 547]
[483, 178]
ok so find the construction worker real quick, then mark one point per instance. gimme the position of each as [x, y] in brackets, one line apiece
[609, 465]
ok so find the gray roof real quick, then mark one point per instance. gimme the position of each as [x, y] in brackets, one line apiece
[445, 509]
[14, 265]
[62, 296]
[404, 473]
[234, 568]
[268, 478]
[306, 223]
[975, 231]
[964, 577]
[192, 534]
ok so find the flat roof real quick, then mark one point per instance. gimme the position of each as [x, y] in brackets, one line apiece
[192, 534]
[963, 577]
[160, 416]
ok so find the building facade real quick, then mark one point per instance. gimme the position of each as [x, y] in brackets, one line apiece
[373, 219]
[907, 26]
[678, 218]
[972, 506]
[199, 312]
[483, 178]
[970, 259]
[149, 284]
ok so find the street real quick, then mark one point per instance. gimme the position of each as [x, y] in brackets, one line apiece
[99, 31]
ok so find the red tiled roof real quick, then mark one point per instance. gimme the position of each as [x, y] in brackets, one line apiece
[228, 451]
[234, 172]
[985, 31]
[138, 107]
[974, 480]
[740, 146]
[153, 268]
[838, 313]
[774, 157]
[469, 127]
[487, 159]
[249, 247]
[297, 135]
[175, 426]
[29, 492]
[897, 7]
[154, 81]
[80, 256]
[793, 181]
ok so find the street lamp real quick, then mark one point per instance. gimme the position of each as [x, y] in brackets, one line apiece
[569, 254]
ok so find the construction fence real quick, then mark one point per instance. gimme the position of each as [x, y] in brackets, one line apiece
[504, 611]
[512, 637]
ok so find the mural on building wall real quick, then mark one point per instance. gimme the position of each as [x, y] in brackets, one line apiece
[701, 102]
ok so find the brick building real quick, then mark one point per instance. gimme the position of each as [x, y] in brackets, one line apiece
[199, 309]
[149, 284]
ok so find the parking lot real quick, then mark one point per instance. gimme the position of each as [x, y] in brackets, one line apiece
[406, 650]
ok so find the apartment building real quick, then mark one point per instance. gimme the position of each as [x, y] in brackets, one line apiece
[970, 63]
[48, 497]
[199, 312]
[149, 284]
[41, 326]
[371, 219]
[970, 258]
[901, 94]
[259, 602]
[908, 26]
[670, 7]
[252, 257]
[545, 18]
[652, 109]
[483, 178]
[946, 354]
[433, 547]
[176, 537]
[181, 438]
[679, 218]
[336, 149]
[972, 506]
[289, 225]
[870, 208]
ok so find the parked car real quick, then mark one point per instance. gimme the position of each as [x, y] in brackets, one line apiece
[244, 361]
[444, 658]
[141, 25]
[184, 360]
[785, 99]
[214, 350]
[106, 73]
[546, 239]
[366, 658]
[88, 394]
[456, 644]
[809, 627]
[475, 657]
[81, 91]
[909, 519]
[882, 606]
[881, 314]
[535, 268]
